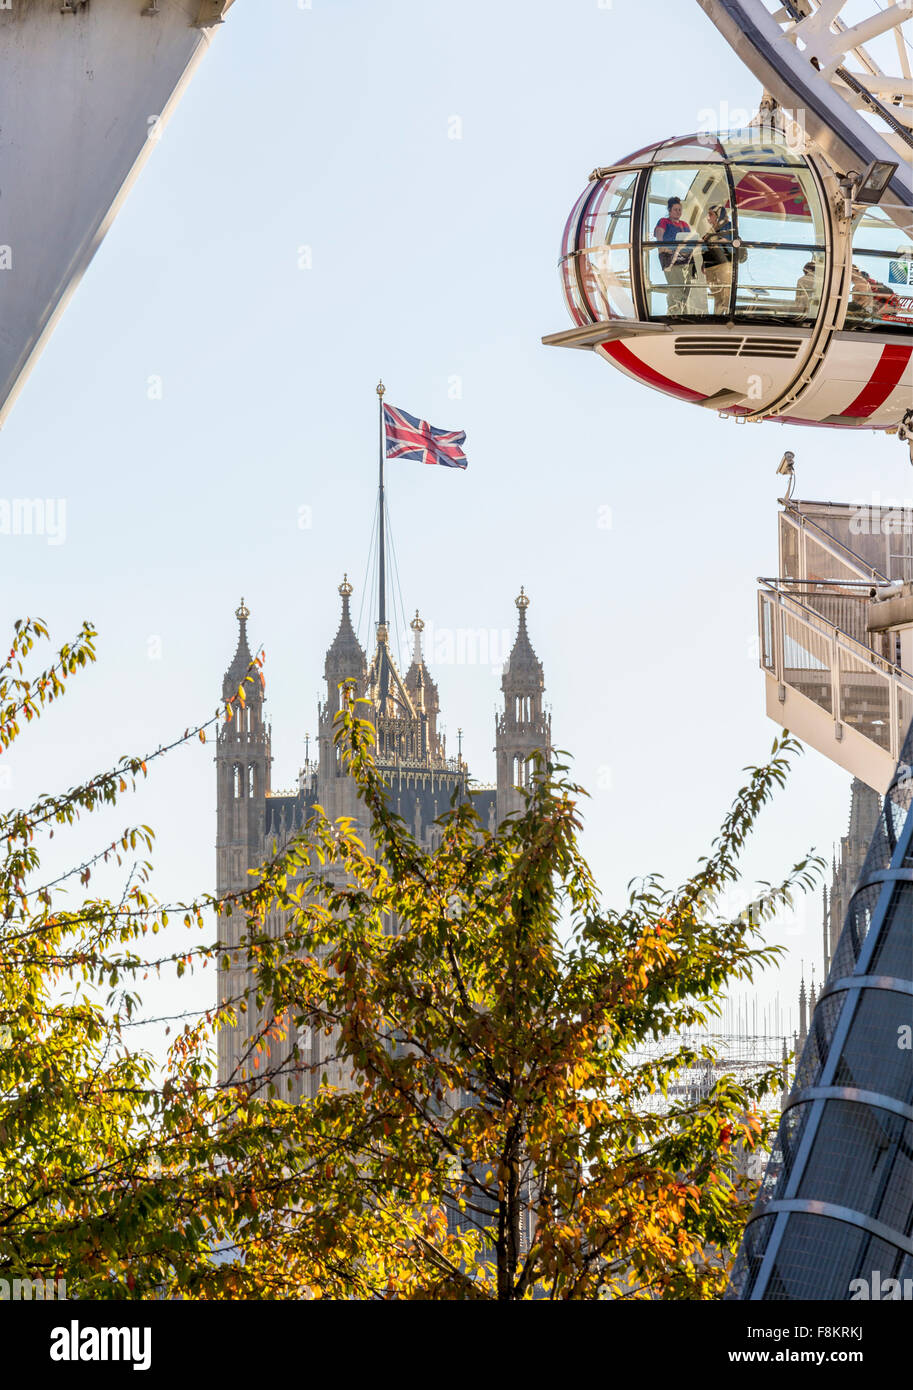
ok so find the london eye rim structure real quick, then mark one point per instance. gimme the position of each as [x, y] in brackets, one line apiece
[814, 64]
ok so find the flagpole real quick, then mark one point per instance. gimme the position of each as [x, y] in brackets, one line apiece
[381, 544]
[382, 557]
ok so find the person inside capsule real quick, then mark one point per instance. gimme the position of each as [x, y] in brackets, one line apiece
[862, 296]
[808, 288]
[717, 256]
[677, 263]
[870, 299]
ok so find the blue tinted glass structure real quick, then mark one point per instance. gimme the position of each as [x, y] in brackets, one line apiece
[834, 1217]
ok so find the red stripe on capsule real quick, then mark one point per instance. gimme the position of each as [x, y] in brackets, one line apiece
[888, 371]
[626, 359]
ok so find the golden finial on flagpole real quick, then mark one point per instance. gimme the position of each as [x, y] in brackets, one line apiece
[381, 388]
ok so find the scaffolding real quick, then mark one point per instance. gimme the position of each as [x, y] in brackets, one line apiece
[744, 1056]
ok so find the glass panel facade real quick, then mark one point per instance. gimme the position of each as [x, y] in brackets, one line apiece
[778, 207]
[889, 1262]
[751, 145]
[860, 1155]
[748, 146]
[780, 284]
[856, 928]
[892, 820]
[817, 1259]
[807, 656]
[874, 230]
[768, 644]
[573, 293]
[892, 952]
[606, 273]
[596, 252]
[864, 1150]
[605, 242]
[790, 561]
[748, 1260]
[779, 223]
[688, 242]
[859, 1255]
[882, 274]
[792, 1127]
[865, 698]
[897, 812]
[824, 1021]
[878, 296]
[692, 148]
[870, 1057]
[607, 219]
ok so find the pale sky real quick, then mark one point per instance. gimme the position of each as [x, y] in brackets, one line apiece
[307, 224]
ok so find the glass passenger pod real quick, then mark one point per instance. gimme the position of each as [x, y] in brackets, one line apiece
[881, 289]
[730, 229]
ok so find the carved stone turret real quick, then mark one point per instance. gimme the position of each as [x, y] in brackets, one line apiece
[243, 762]
[524, 727]
[243, 785]
[345, 660]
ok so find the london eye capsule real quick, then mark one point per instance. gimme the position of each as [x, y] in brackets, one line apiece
[737, 272]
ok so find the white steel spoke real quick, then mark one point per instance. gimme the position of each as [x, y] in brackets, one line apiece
[880, 23]
[902, 51]
[835, 52]
[811, 56]
[819, 21]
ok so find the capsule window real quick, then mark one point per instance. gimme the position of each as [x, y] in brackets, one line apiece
[779, 207]
[688, 242]
[881, 288]
[783, 284]
[604, 263]
[779, 224]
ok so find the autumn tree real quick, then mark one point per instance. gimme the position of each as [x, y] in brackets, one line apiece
[120, 1174]
[495, 1136]
[496, 1128]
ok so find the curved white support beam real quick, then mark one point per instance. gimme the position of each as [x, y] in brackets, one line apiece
[86, 92]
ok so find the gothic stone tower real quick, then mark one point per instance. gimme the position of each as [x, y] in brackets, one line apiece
[242, 788]
[345, 662]
[411, 752]
[524, 728]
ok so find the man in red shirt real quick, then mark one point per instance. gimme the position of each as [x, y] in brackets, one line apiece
[676, 262]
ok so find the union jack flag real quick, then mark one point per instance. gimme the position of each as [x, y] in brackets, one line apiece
[409, 438]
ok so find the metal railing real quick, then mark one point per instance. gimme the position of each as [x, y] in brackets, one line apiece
[845, 606]
[855, 686]
[847, 563]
